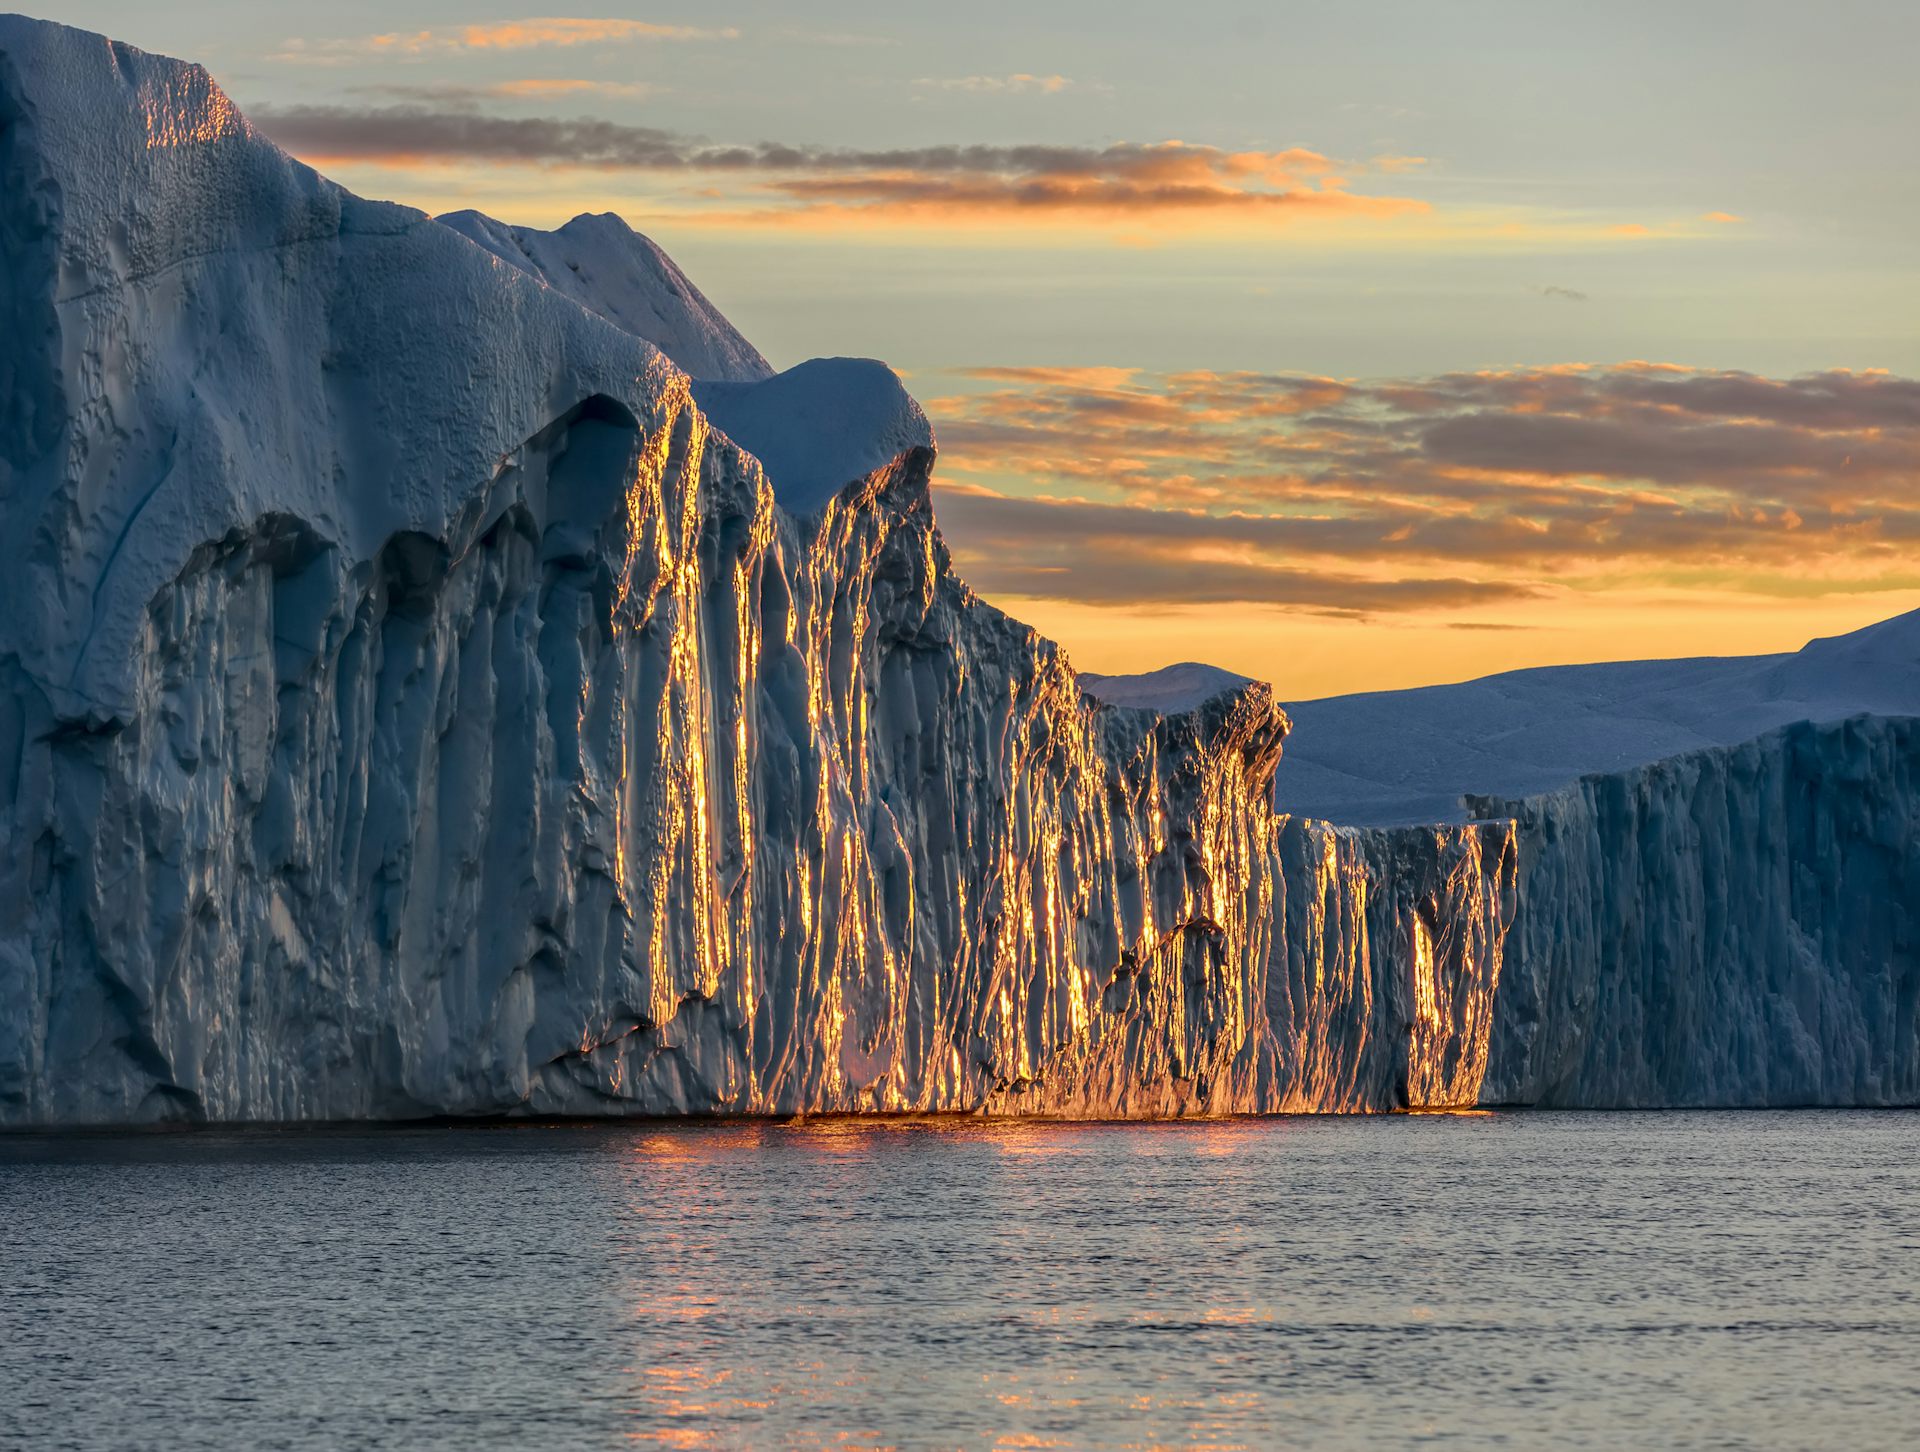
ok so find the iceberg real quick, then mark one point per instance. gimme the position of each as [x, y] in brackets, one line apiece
[1718, 892]
[446, 671]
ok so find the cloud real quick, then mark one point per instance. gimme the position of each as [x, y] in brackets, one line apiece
[533, 88]
[782, 182]
[565, 30]
[536, 32]
[1373, 496]
[1565, 294]
[1100, 554]
[1016, 84]
[1724, 218]
[406, 135]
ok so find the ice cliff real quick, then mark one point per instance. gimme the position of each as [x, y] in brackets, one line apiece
[444, 669]
[1708, 911]
[1733, 926]
[413, 701]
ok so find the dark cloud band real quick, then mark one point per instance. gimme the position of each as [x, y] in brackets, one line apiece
[1127, 177]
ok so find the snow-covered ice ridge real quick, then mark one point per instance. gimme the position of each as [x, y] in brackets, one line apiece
[1387, 757]
[610, 269]
[411, 702]
[1171, 688]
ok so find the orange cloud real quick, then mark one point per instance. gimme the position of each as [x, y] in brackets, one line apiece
[1015, 84]
[1121, 487]
[1091, 377]
[540, 87]
[559, 30]
[975, 185]
[1725, 218]
[989, 199]
[529, 34]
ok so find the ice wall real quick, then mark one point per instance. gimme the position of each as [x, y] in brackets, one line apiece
[409, 704]
[1734, 926]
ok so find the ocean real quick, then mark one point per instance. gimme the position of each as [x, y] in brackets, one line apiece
[1527, 1279]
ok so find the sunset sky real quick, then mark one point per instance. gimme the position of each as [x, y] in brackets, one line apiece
[1347, 345]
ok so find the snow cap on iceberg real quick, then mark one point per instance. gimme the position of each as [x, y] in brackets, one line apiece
[609, 269]
[820, 425]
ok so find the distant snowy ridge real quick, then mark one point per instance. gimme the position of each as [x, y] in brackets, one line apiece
[1388, 757]
[1171, 688]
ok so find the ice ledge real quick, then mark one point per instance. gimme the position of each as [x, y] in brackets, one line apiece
[601, 263]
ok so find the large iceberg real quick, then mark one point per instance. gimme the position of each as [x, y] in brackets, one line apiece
[446, 670]
[413, 702]
[1718, 900]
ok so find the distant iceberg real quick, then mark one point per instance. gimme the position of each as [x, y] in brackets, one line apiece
[1387, 757]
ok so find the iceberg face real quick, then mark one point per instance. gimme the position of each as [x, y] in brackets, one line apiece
[404, 719]
[1737, 926]
[397, 719]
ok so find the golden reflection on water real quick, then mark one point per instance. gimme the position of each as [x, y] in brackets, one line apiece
[825, 1251]
[1347, 1282]
[708, 1385]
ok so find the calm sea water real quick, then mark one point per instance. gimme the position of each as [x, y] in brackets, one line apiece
[1527, 1280]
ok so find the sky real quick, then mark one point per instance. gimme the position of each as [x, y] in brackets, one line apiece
[1348, 345]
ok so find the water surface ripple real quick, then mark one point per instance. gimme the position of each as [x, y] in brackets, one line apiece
[1527, 1280]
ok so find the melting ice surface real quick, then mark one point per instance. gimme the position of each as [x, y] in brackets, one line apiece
[1531, 1281]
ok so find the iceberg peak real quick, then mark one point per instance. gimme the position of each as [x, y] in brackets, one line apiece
[603, 264]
